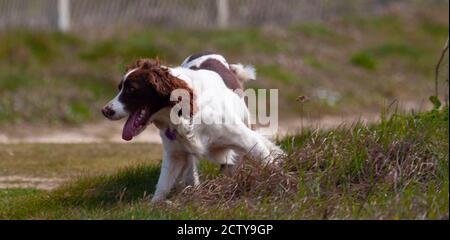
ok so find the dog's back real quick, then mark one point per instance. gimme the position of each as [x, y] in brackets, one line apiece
[233, 75]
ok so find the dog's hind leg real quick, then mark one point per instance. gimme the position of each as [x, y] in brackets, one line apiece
[189, 176]
[227, 169]
[275, 151]
[228, 164]
[246, 141]
[226, 157]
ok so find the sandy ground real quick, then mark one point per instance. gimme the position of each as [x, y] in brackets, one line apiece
[112, 131]
[29, 182]
[88, 133]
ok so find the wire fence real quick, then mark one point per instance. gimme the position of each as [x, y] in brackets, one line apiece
[78, 15]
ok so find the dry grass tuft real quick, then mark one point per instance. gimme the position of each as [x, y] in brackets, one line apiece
[249, 180]
[328, 171]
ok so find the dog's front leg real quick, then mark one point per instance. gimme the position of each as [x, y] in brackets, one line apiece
[171, 167]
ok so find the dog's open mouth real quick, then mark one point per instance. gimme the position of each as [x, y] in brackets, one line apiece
[136, 123]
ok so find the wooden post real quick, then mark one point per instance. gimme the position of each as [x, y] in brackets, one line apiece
[222, 13]
[64, 15]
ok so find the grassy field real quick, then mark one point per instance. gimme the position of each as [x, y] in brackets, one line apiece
[72, 160]
[395, 169]
[344, 65]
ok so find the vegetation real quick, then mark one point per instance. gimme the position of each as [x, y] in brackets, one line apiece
[395, 169]
[72, 160]
[72, 76]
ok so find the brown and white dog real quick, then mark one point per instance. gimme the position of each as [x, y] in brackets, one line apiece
[196, 111]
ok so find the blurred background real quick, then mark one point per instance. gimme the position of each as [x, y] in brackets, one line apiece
[60, 60]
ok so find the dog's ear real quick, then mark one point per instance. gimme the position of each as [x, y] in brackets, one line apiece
[164, 83]
[160, 82]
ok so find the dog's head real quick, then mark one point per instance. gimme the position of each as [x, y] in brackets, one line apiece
[144, 90]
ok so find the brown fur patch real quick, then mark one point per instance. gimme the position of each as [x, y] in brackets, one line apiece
[200, 54]
[227, 75]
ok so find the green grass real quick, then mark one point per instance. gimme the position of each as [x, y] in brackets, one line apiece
[395, 169]
[70, 160]
[277, 74]
[436, 29]
[313, 30]
[386, 23]
[313, 62]
[395, 49]
[250, 41]
[368, 58]
[364, 60]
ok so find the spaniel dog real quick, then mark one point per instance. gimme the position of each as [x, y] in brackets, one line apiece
[196, 111]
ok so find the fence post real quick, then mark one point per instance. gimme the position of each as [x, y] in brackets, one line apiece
[64, 15]
[222, 13]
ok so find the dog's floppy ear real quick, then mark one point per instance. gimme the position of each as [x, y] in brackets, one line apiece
[164, 83]
[161, 81]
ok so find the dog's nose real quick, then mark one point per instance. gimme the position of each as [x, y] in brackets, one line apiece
[108, 112]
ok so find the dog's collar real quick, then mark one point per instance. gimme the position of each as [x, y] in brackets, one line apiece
[171, 134]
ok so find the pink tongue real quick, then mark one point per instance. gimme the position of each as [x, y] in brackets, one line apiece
[128, 128]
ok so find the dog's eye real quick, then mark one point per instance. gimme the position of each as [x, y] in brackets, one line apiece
[131, 89]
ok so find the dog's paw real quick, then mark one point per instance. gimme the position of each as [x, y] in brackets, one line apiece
[278, 153]
[156, 200]
[161, 202]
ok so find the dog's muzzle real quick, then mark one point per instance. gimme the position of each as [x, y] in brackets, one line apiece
[108, 112]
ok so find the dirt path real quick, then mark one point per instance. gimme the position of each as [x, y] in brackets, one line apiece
[111, 131]
[88, 133]
[29, 182]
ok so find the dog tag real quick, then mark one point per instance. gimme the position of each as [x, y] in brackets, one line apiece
[171, 135]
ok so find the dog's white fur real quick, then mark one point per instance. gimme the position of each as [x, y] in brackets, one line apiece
[243, 73]
[222, 143]
[196, 62]
[118, 106]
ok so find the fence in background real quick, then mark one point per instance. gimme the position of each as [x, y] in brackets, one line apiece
[77, 15]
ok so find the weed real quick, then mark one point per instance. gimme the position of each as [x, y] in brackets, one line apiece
[364, 60]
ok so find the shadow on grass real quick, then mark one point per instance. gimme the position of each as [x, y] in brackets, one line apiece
[87, 197]
[128, 185]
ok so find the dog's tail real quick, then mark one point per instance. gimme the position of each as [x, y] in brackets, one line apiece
[243, 73]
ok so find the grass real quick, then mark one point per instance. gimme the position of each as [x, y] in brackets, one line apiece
[71, 160]
[277, 74]
[83, 72]
[395, 169]
[364, 60]
[313, 30]
[434, 28]
[369, 58]
[384, 22]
